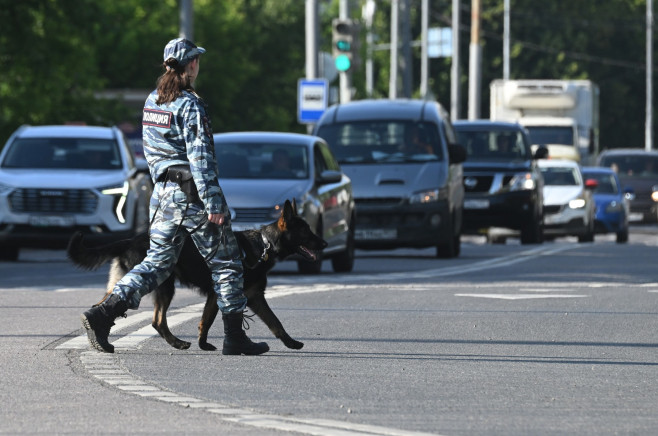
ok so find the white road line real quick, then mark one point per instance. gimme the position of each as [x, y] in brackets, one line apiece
[134, 339]
[521, 296]
[106, 368]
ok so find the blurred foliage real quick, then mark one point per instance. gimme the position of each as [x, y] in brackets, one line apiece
[56, 54]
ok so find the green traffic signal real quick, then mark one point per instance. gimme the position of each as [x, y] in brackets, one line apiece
[343, 63]
[343, 45]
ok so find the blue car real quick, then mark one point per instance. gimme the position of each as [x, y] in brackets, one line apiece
[612, 204]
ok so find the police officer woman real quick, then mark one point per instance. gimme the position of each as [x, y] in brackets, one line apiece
[186, 200]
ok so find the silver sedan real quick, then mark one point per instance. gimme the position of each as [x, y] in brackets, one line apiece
[259, 171]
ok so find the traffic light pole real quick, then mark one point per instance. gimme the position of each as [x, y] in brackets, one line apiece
[345, 77]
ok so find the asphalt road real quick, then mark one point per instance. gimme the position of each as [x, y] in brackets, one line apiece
[557, 338]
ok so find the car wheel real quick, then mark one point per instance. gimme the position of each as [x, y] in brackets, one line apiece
[450, 248]
[344, 261]
[622, 236]
[532, 233]
[498, 240]
[589, 234]
[312, 267]
[9, 253]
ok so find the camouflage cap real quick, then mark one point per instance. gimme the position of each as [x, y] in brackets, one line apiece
[183, 50]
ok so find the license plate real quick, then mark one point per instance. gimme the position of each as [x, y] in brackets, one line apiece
[369, 234]
[635, 216]
[52, 221]
[476, 204]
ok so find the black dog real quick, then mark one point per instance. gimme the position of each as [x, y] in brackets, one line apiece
[289, 235]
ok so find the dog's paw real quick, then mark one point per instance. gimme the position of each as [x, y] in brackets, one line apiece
[295, 345]
[181, 345]
[207, 346]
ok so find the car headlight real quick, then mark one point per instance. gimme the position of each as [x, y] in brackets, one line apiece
[577, 203]
[275, 213]
[522, 182]
[428, 196]
[654, 193]
[120, 192]
[614, 206]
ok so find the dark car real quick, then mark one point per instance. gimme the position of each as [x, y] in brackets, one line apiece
[259, 171]
[405, 165]
[638, 171]
[612, 203]
[503, 186]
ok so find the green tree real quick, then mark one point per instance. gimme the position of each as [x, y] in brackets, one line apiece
[45, 71]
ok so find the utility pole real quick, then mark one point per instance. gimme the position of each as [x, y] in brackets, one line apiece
[186, 20]
[407, 66]
[648, 130]
[393, 82]
[424, 60]
[455, 71]
[368, 13]
[345, 77]
[506, 42]
[311, 39]
[475, 61]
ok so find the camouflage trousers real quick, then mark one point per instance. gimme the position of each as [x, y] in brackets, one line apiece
[172, 219]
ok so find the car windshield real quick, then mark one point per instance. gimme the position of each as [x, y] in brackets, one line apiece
[63, 153]
[639, 165]
[248, 160]
[551, 135]
[392, 141]
[607, 184]
[560, 176]
[494, 145]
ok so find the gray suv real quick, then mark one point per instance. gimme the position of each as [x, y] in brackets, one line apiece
[405, 165]
[55, 180]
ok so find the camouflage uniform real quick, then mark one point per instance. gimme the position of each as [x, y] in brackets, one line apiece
[174, 134]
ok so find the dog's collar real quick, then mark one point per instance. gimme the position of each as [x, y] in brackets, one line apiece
[266, 248]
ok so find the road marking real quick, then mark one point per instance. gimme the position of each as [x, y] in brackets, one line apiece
[106, 368]
[521, 296]
[332, 283]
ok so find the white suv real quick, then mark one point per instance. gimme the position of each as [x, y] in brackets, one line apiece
[55, 180]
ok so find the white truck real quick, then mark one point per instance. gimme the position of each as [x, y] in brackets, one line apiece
[560, 114]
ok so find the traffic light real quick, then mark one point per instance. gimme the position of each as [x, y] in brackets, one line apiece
[345, 43]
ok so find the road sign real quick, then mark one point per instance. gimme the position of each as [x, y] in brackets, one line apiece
[311, 99]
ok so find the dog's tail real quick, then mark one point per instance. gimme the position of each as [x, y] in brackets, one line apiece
[91, 258]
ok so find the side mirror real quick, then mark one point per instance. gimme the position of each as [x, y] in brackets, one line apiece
[591, 184]
[456, 153]
[330, 176]
[541, 152]
[141, 165]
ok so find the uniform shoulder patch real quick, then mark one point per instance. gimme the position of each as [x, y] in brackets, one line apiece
[157, 118]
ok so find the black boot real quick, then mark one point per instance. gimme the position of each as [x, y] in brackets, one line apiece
[99, 320]
[236, 341]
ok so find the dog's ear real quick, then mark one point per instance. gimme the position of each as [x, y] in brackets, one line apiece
[294, 207]
[286, 216]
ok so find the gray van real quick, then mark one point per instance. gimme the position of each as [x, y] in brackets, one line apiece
[405, 165]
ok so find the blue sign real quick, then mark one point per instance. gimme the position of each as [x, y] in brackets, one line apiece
[312, 97]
